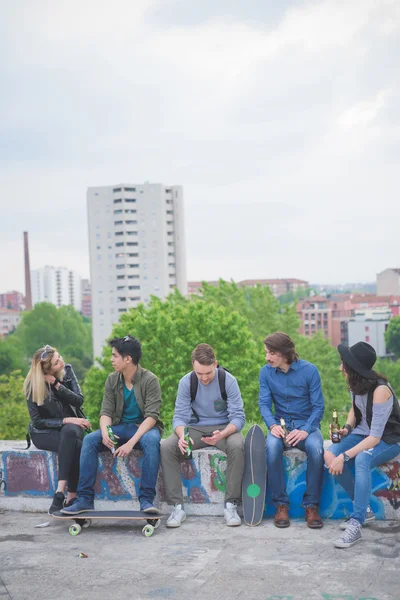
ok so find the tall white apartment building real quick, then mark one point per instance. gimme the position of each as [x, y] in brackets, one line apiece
[137, 249]
[58, 285]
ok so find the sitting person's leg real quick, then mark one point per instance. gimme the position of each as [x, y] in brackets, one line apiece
[150, 444]
[313, 446]
[276, 480]
[233, 446]
[69, 450]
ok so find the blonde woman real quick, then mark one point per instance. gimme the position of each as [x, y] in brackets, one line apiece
[57, 422]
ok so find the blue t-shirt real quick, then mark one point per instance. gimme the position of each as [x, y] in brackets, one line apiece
[131, 412]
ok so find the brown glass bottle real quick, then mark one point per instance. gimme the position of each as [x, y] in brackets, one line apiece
[335, 428]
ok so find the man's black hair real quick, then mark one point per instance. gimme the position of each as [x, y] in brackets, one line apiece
[127, 346]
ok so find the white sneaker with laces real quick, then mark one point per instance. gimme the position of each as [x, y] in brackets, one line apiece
[230, 513]
[369, 517]
[350, 536]
[176, 517]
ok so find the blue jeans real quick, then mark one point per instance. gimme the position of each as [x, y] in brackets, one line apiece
[93, 445]
[356, 476]
[313, 446]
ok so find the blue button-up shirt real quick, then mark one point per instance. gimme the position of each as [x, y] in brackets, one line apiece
[296, 394]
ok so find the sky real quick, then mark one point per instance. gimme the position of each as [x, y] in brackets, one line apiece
[279, 119]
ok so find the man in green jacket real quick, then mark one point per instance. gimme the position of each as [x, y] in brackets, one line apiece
[131, 404]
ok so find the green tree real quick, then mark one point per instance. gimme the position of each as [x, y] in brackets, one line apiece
[13, 408]
[257, 305]
[11, 355]
[64, 328]
[169, 331]
[392, 336]
[319, 352]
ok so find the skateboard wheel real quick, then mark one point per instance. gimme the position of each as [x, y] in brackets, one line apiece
[148, 530]
[75, 529]
[87, 523]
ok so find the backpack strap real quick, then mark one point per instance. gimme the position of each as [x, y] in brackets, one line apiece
[221, 381]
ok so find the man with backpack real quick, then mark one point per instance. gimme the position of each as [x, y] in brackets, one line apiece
[210, 404]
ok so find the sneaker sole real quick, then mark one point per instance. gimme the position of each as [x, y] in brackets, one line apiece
[151, 510]
[173, 525]
[77, 512]
[346, 544]
[282, 525]
[234, 524]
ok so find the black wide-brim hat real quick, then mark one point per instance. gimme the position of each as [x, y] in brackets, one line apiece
[361, 358]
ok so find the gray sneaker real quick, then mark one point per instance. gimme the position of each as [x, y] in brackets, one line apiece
[369, 517]
[176, 517]
[350, 536]
[230, 513]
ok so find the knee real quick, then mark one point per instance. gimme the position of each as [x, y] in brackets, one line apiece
[363, 460]
[235, 444]
[151, 441]
[274, 446]
[92, 440]
[169, 445]
[72, 431]
[314, 447]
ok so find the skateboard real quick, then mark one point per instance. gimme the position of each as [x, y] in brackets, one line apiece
[84, 519]
[254, 477]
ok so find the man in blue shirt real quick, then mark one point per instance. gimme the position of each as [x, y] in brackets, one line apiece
[294, 387]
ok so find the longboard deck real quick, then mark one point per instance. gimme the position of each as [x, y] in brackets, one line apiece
[111, 514]
[254, 477]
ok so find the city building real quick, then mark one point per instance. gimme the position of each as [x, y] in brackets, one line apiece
[136, 247]
[315, 315]
[86, 298]
[12, 300]
[388, 282]
[58, 285]
[9, 320]
[369, 325]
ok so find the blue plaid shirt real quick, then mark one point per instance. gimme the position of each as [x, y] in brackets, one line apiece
[296, 395]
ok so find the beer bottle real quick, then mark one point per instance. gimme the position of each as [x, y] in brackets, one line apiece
[335, 435]
[286, 430]
[188, 451]
[112, 438]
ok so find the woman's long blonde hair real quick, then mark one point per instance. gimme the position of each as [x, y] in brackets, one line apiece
[34, 384]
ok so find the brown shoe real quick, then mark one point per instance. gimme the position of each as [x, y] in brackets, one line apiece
[312, 517]
[282, 516]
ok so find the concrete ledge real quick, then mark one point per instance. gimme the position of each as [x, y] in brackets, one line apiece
[28, 481]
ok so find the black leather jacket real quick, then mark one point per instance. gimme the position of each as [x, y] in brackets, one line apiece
[58, 404]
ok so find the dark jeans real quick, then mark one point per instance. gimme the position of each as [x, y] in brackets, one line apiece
[67, 443]
[93, 445]
[313, 446]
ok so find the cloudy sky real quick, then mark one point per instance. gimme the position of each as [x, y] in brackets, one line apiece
[280, 119]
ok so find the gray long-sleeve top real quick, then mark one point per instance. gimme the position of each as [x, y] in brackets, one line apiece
[208, 404]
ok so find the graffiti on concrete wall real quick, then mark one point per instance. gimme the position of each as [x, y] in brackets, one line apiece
[34, 473]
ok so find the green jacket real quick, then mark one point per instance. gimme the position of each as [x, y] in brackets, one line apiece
[147, 393]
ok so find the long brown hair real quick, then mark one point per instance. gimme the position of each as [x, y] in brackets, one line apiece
[282, 343]
[34, 384]
[358, 384]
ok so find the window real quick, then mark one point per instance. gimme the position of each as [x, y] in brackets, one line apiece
[367, 338]
[170, 212]
[134, 287]
[130, 222]
[170, 222]
[129, 200]
[121, 299]
[122, 310]
[121, 287]
[133, 266]
[120, 266]
[133, 276]
[117, 200]
[119, 233]
[117, 190]
[120, 276]
[118, 222]
[132, 232]
[135, 298]
[133, 254]
[119, 244]
[366, 328]
[171, 265]
[132, 243]
[130, 189]
[120, 254]
[118, 211]
[129, 211]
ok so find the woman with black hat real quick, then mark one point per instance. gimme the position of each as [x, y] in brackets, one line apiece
[370, 437]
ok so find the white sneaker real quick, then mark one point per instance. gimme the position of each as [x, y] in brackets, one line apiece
[350, 536]
[369, 517]
[231, 517]
[176, 517]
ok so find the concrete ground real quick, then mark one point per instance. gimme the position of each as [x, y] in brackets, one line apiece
[203, 559]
